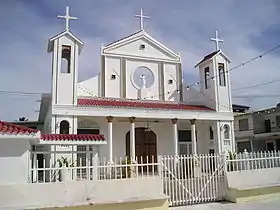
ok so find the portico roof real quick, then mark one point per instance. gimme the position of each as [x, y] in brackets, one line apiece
[147, 104]
[10, 130]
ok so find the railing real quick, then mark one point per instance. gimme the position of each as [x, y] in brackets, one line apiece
[253, 161]
[274, 129]
[92, 168]
[193, 178]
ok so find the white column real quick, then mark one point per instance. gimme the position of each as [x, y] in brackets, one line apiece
[194, 147]
[132, 137]
[175, 136]
[110, 137]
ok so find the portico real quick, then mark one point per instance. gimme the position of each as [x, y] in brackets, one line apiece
[135, 128]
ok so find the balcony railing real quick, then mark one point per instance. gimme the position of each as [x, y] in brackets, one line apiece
[263, 130]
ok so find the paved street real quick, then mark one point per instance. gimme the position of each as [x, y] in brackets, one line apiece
[258, 205]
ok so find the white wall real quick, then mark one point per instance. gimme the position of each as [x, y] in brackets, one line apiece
[210, 95]
[79, 193]
[253, 178]
[89, 87]
[14, 161]
[64, 84]
[170, 72]
[163, 131]
[133, 49]
[131, 88]
[223, 92]
[216, 97]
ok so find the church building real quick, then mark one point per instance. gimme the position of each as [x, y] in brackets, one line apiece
[137, 105]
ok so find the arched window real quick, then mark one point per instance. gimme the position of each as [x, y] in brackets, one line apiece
[226, 132]
[65, 59]
[222, 74]
[64, 127]
[211, 132]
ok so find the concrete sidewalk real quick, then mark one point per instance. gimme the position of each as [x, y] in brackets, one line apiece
[257, 205]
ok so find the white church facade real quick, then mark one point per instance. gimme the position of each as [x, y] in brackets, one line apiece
[138, 100]
[137, 105]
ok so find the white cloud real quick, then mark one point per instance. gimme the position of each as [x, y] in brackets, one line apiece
[184, 26]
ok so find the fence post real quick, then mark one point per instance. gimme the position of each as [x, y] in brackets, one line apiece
[246, 157]
[160, 171]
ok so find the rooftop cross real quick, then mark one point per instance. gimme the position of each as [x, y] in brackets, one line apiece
[67, 18]
[217, 40]
[141, 16]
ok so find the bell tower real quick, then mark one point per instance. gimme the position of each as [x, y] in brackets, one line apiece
[214, 77]
[215, 87]
[65, 48]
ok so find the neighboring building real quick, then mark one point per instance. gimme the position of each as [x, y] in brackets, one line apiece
[258, 130]
[137, 102]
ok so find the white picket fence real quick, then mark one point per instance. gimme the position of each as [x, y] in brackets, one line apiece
[90, 167]
[193, 179]
[253, 161]
[187, 179]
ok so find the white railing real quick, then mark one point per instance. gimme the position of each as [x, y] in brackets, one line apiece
[90, 167]
[253, 161]
[193, 178]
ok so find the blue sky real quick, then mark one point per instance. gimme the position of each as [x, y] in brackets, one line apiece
[247, 27]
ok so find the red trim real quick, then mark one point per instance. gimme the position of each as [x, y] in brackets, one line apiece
[107, 102]
[72, 137]
[9, 128]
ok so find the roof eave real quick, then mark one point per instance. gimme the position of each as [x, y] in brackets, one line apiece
[51, 40]
[72, 142]
[218, 53]
[143, 33]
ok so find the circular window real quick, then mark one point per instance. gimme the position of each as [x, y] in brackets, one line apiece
[143, 76]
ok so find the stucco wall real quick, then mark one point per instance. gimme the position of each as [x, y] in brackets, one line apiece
[14, 161]
[78, 193]
[253, 178]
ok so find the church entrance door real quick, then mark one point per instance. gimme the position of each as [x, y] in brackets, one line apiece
[145, 145]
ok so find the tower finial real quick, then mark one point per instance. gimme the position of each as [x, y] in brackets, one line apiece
[217, 40]
[67, 18]
[141, 16]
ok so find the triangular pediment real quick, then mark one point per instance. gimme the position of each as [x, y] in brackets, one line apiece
[67, 34]
[141, 45]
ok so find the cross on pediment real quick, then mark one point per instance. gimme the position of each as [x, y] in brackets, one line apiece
[217, 40]
[67, 18]
[141, 16]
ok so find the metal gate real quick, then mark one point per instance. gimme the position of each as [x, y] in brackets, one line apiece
[193, 179]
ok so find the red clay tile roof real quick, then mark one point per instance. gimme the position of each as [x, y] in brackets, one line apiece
[107, 102]
[13, 129]
[9, 128]
[72, 137]
[207, 57]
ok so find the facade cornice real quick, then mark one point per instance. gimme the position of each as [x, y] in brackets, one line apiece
[66, 110]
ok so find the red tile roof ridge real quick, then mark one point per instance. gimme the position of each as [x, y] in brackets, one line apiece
[10, 128]
[146, 104]
[77, 137]
[135, 100]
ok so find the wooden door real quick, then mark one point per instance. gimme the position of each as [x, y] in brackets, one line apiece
[145, 146]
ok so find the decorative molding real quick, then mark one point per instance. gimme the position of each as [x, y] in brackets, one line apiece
[67, 110]
[132, 119]
[193, 121]
[110, 118]
[174, 121]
